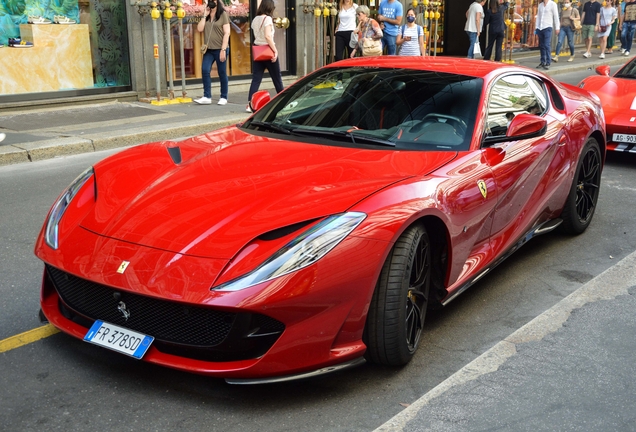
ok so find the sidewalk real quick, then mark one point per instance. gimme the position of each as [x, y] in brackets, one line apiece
[569, 369]
[45, 133]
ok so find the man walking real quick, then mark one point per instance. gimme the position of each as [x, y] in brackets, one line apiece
[474, 21]
[590, 24]
[390, 18]
[628, 25]
[547, 21]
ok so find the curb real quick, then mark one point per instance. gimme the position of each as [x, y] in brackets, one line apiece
[608, 285]
[56, 147]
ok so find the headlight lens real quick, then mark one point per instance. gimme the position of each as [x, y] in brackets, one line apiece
[301, 252]
[51, 233]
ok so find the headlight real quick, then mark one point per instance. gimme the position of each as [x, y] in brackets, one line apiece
[50, 235]
[301, 252]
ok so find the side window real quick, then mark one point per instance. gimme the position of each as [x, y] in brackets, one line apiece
[512, 95]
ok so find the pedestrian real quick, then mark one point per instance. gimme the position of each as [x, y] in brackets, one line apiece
[390, 18]
[263, 28]
[621, 15]
[590, 23]
[568, 15]
[346, 26]
[629, 24]
[474, 22]
[411, 37]
[494, 18]
[215, 27]
[368, 28]
[546, 22]
[611, 39]
[608, 16]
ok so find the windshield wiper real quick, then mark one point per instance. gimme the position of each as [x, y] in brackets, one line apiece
[344, 134]
[271, 126]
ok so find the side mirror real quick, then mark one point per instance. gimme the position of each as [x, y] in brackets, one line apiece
[603, 70]
[526, 126]
[259, 100]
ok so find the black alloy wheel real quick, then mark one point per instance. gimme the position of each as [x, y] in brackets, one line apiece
[398, 307]
[581, 203]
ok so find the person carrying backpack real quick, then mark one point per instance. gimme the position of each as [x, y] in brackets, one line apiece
[410, 39]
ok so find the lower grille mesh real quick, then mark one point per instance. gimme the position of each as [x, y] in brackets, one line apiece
[165, 320]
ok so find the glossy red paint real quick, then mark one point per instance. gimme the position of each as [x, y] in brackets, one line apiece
[618, 97]
[186, 228]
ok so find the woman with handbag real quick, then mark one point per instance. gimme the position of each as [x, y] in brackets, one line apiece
[569, 16]
[607, 18]
[215, 27]
[264, 52]
[369, 34]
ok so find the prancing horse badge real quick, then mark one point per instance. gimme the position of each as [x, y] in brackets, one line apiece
[482, 188]
[124, 265]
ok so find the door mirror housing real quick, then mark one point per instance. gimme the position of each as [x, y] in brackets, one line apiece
[259, 100]
[522, 126]
[603, 70]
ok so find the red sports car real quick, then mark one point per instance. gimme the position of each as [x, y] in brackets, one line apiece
[618, 97]
[317, 234]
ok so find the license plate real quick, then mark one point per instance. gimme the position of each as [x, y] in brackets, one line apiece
[119, 339]
[624, 138]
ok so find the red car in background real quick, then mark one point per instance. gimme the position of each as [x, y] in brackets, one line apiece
[315, 235]
[618, 97]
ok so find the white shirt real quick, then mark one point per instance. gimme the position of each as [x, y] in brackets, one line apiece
[548, 16]
[473, 10]
[259, 24]
[347, 18]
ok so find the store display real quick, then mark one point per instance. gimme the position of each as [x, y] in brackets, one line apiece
[61, 19]
[38, 20]
[19, 43]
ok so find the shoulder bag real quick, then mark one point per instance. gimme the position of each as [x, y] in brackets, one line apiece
[262, 52]
[370, 47]
[204, 47]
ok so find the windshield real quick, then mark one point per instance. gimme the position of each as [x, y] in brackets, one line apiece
[627, 71]
[400, 108]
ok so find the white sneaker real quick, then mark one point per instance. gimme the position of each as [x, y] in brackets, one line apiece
[248, 109]
[338, 85]
[587, 55]
[602, 56]
[622, 50]
[626, 53]
[222, 101]
[203, 101]
[2, 136]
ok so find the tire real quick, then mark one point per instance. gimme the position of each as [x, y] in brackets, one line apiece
[581, 203]
[398, 307]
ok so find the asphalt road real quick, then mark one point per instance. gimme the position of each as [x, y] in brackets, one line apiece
[59, 383]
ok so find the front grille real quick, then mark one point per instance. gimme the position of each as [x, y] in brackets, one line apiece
[169, 322]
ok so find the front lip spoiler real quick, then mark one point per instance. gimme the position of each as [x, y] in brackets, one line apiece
[251, 381]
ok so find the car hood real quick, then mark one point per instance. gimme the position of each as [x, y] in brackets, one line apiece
[230, 187]
[616, 94]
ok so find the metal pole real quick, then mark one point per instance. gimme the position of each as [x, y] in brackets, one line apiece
[155, 14]
[167, 15]
[142, 13]
[181, 15]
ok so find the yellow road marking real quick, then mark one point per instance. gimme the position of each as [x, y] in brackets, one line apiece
[27, 337]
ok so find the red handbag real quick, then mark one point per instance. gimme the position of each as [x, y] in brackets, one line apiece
[262, 52]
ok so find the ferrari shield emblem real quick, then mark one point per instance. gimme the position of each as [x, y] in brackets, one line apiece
[482, 188]
[124, 265]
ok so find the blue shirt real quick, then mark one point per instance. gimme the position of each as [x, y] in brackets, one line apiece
[391, 10]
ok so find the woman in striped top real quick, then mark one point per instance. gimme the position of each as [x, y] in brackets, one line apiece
[410, 37]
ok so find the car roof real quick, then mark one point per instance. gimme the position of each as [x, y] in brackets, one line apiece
[454, 65]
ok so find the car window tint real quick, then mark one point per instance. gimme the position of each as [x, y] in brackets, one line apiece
[512, 95]
[410, 109]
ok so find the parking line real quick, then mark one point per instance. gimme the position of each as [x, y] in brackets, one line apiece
[27, 337]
